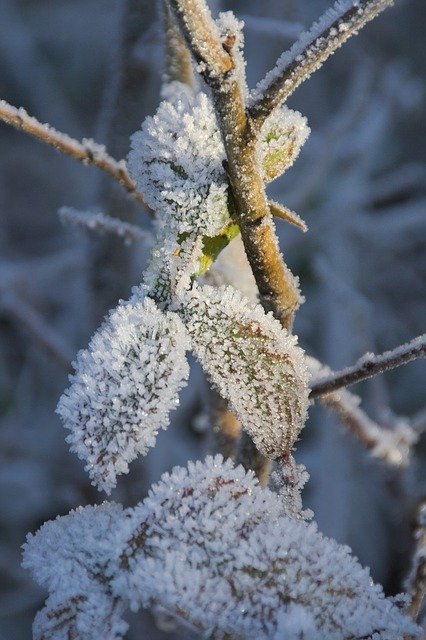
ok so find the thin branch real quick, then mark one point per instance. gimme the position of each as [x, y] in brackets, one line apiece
[370, 365]
[278, 288]
[416, 582]
[41, 332]
[177, 57]
[88, 152]
[202, 35]
[307, 55]
[391, 444]
[103, 223]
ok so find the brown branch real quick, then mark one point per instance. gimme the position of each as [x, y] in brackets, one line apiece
[202, 35]
[371, 365]
[309, 52]
[178, 61]
[222, 69]
[416, 582]
[88, 152]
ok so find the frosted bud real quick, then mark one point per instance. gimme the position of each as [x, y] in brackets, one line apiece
[282, 136]
[124, 386]
[176, 162]
[254, 363]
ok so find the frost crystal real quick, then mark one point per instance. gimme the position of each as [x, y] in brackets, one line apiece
[254, 363]
[282, 136]
[70, 557]
[124, 387]
[176, 162]
[211, 546]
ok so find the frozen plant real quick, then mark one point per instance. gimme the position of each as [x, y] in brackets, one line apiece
[208, 544]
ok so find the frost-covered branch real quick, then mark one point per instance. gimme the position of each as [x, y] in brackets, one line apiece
[370, 365]
[39, 330]
[307, 55]
[391, 444]
[102, 223]
[88, 152]
[416, 581]
[217, 48]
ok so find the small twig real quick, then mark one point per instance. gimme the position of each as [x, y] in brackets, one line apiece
[370, 365]
[295, 66]
[178, 61]
[33, 323]
[88, 152]
[391, 444]
[416, 581]
[103, 223]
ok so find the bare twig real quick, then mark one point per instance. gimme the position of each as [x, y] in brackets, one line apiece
[177, 57]
[103, 223]
[32, 322]
[391, 444]
[370, 365]
[88, 152]
[295, 66]
[416, 582]
[202, 35]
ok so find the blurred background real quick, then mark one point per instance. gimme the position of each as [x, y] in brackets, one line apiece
[93, 68]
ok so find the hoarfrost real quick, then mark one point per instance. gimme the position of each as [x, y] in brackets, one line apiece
[70, 556]
[212, 546]
[124, 386]
[282, 136]
[254, 363]
[176, 161]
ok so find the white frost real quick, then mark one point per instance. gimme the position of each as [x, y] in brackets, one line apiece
[176, 162]
[124, 387]
[254, 363]
[210, 545]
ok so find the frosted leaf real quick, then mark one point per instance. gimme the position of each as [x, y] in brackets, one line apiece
[254, 363]
[124, 386]
[211, 546]
[70, 556]
[282, 136]
[176, 161]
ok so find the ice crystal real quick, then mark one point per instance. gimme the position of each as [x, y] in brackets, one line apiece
[254, 363]
[176, 162]
[70, 557]
[210, 545]
[282, 136]
[124, 386]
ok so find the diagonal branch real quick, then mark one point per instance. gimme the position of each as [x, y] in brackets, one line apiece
[370, 365]
[307, 55]
[87, 151]
[104, 224]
